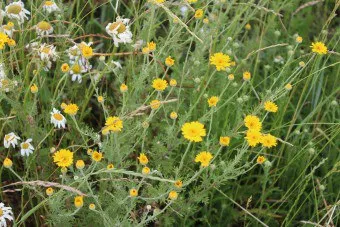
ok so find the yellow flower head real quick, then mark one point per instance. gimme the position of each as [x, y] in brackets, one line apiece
[221, 61]
[213, 101]
[231, 77]
[178, 183]
[146, 170]
[246, 76]
[270, 107]
[100, 99]
[65, 68]
[173, 115]
[173, 195]
[253, 137]
[191, 1]
[151, 46]
[145, 50]
[248, 26]
[193, 131]
[206, 20]
[3, 40]
[268, 141]
[71, 109]
[97, 156]
[159, 84]
[173, 82]
[113, 124]
[123, 88]
[224, 141]
[87, 51]
[298, 39]
[143, 159]
[49, 191]
[199, 14]
[169, 61]
[253, 122]
[34, 88]
[92, 206]
[155, 104]
[8, 163]
[133, 192]
[260, 160]
[109, 166]
[204, 158]
[11, 42]
[78, 201]
[80, 164]
[63, 158]
[288, 87]
[319, 48]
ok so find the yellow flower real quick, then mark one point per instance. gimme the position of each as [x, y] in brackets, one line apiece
[319, 48]
[11, 42]
[114, 124]
[169, 61]
[78, 201]
[206, 20]
[193, 131]
[143, 159]
[298, 39]
[224, 141]
[192, 1]
[221, 61]
[151, 46]
[173, 195]
[145, 50]
[63, 158]
[248, 26]
[133, 192]
[109, 166]
[288, 87]
[8, 163]
[270, 107]
[87, 51]
[246, 76]
[97, 156]
[89, 152]
[268, 141]
[100, 99]
[204, 158]
[159, 84]
[260, 159]
[253, 122]
[302, 64]
[173, 82]
[231, 77]
[80, 164]
[173, 115]
[146, 170]
[49, 191]
[123, 88]
[253, 137]
[199, 14]
[213, 101]
[92, 206]
[178, 184]
[155, 104]
[3, 40]
[65, 67]
[63, 105]
[34, 88]
[71, 109]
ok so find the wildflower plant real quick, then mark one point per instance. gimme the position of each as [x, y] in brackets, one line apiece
[159, 112]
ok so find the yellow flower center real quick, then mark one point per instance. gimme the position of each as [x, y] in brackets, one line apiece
[1, 212]
[43, 25]
[46, 50]
[49, 3]
[76, 69]
[121, 28]
[7, 137]
[58, 116]
[14, 9]
[25, 146]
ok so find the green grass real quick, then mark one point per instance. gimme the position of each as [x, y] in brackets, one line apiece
[297, 185]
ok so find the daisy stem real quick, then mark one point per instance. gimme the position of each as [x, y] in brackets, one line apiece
[182, 160]
[12, 170]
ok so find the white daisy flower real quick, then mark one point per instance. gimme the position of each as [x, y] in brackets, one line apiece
[76, 72]
[11, 139]
[50, 6]
[8, 29]
[120, 31]
[16, 11]
[57, 119]
[26, 148]
[5, 213]
[73, 52]
[44, 28]
[47, 54]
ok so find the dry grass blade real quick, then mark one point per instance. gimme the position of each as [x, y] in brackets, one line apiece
[306, 5]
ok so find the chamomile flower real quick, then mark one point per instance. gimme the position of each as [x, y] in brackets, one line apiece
[76, 72]
[11, 139]
[47, 54]
[17, 11]
[44, 28]
[50, 6]
[8, 29]
[120, 31]
[26, 148]
[5, 213]
[58, 119]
